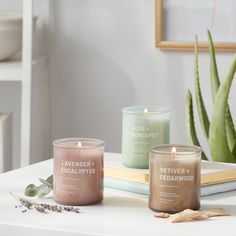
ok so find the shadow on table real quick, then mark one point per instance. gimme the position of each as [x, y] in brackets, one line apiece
[125, 201]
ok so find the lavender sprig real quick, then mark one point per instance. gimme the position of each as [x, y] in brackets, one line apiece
[40, 209]
[44, 208]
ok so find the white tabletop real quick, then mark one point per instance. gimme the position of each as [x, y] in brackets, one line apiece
[119, 214]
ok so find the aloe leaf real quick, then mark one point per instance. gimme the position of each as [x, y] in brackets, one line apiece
[218, 143]
[215, 83]
[234, 150]
[230, 129]
[204, 121]
[190, 123]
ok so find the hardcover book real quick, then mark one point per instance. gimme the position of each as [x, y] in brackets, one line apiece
[215, 176]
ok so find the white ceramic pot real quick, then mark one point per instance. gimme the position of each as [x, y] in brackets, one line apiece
[10, 34]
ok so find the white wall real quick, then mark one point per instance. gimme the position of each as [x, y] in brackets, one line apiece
[104, 59]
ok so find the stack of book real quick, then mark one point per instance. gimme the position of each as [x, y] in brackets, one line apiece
[216, 177]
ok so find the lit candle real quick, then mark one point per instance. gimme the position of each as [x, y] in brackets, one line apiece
[78, 171]
[142, 129]
[174, 178]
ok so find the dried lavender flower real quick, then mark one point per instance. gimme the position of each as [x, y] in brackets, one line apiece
[55, 208]
[43, 207]
[40, 209]
[26, 203]
[71, 209]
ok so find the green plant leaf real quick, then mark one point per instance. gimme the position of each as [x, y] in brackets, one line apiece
[43, 190]
[218, 143]
[215, 83]
[203, 117]
[234, 150]
[190, 123]
[31, 190]
[50, 180]
[230, 129]
[46, 182]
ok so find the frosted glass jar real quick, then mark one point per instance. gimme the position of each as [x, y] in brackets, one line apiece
[174, 178]
[78, 171]
[142, 129]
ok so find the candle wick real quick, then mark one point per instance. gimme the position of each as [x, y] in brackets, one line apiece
[79, 145]
[173, 153]
[145, 112]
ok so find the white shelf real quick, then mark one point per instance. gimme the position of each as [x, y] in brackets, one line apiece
[11, 70]
[17, 70]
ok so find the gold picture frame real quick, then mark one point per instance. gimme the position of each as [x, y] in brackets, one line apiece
[167, 44]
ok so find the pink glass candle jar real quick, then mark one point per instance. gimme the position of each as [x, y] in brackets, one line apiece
[174, 178]
[78, 171]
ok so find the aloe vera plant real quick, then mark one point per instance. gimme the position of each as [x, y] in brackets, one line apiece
[219, 129]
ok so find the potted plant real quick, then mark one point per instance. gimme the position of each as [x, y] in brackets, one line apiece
[219, 129]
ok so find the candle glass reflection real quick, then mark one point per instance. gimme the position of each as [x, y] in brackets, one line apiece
[174, 183]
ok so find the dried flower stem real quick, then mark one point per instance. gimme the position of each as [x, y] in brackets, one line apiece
[43, 208]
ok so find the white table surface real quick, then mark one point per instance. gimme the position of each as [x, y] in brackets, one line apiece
[119, 214]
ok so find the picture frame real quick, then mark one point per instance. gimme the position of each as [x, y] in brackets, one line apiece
[177, 20]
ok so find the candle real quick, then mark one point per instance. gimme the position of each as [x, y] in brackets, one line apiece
[174, 183]
[78, 171]
[142, 129]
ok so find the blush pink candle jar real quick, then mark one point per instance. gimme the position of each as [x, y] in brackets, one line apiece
[78, 171]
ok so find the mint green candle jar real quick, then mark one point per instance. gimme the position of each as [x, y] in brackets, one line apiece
[142, 129]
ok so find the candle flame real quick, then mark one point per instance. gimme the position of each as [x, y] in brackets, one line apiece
[79, 144]
[173, 152]
[145, 111]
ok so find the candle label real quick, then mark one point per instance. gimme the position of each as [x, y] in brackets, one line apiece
[142, 139]
[78, 181]
[143, 132]
[77, 167]
[169, 174]
[174, 185]
[139, 136]
[172, 181]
